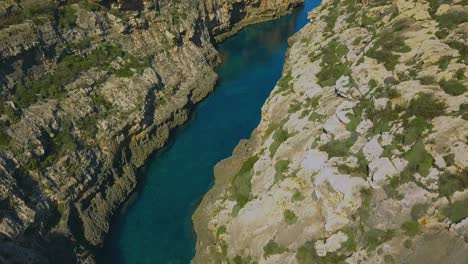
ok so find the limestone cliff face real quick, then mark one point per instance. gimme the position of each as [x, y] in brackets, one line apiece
[361, 153]
[89, 89]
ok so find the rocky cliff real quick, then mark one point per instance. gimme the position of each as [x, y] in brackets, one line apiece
[361, 154]
[89, 89]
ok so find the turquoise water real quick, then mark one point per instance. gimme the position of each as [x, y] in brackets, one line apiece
[157, 226]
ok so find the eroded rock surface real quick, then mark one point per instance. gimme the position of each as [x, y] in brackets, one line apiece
[360, 155]
[89, 89]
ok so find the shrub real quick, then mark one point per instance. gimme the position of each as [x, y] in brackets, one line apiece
[284, 82]
[456, 211]
[375, 237]
[241, 184]
[411, 228]
[452, 87]
[332, 67]
[297, 196]
[339, 148]
[384, 48]
[444, 61]
[419, 160]
[243, 260]
[279, 137]
[273, 248]
[4, 138]
[64, 141]
[281, 167]
[424, 105]
[414, 129]
[427, 80]
[418, 210]
[462, 49]
[451, 20]
[451, 183]
[67, 17]
[289, 217]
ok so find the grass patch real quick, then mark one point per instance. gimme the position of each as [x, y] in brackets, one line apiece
[241, 185]
[339, 148]
[451, 183]
[332, 67]
[444, 62]
[418, 211]
[424, 105]
[462, 49]
[360, 171]
[385, 46]
[414, 130]
[289, 217]
[427, 80]
[419, 160]
[273, 248]
[452, 87]
[297, 196]
[284, 83]
[281, 167]
[4, 137]
[279, 137]
[452, 20]
[411, 228]
[456, 211]
[375, 237]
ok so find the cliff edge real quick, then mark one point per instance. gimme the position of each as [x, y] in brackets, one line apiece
[361, 152]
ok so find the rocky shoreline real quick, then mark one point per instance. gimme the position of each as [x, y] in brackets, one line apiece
[91, 90]
[360, 155]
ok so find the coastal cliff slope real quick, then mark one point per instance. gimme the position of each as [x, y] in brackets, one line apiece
[361, 154]
[89, 89]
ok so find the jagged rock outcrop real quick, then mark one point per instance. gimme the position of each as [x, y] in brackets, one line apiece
[89, 89]
[361, 153]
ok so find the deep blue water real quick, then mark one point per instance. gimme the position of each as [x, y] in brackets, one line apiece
[157, 227]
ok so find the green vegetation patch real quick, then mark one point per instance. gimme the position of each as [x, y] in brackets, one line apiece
[306, 254]
[332, 66]
[456, 211]
[388, 44]
[411, 228]
[281, 167]
[450, 183]
[273, 248]
[284, 84]
[4, 138]
[339, 148]
[418, 211]
[419, 160]
[414, 130]
[375, 237]
[426, 106]
[297, 196]
[444, 62]
[289, 217]
[427, 80]
[241, 185]
[279, 137]
[68, 69]
[451, 20]
[36, 12]
[243, 260]
[462, 49]
[361, 170]
[452, 87]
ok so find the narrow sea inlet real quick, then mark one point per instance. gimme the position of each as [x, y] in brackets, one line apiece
[157, 226]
